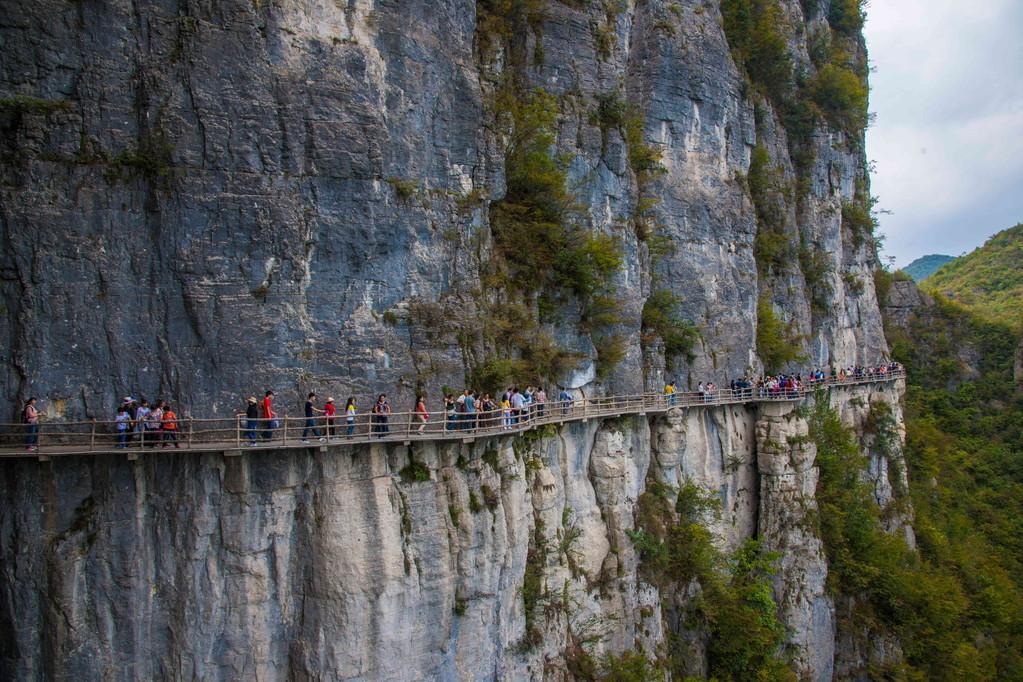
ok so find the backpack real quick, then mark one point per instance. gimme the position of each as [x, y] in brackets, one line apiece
[24, 415]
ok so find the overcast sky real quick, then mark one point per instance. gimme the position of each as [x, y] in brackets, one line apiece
[947, 90]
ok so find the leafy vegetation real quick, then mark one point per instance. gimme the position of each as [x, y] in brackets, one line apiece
[955, 604]
[777, 346]
[841, 95]
[846, 16]
[772, 247]
[988, 281]
[415, 472]
[23, 104]
[661, 318]
[736, 605]
[758, 44]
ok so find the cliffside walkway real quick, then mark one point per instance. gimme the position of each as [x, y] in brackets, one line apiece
[232, 436]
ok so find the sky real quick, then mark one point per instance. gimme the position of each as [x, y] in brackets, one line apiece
[947, 142]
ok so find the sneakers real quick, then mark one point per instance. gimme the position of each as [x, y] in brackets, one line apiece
[323, 440]
[305, 441]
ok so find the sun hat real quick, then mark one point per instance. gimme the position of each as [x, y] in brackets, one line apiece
[330, 400]
[252, 400]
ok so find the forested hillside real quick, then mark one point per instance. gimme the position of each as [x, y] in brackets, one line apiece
[964, 450]
[988, 281]
[925, 266]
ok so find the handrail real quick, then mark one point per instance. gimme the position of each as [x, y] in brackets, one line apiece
[238, 433]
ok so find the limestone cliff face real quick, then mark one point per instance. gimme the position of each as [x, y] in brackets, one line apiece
[333, 565]
[200, 200]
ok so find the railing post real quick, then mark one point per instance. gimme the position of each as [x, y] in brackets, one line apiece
[189, 444]
[238, 431]
[92, 437]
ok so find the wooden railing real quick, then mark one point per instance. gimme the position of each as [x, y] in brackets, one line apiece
[233, 435]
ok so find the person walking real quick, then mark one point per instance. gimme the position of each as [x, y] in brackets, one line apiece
[329, 412]
[541, 401]
[381, 412]
[350, 417]
[268, 414]
[30, 417]
[421, 414]
[121, 422]
[669, 391]
[251, 420]
[170, 428]
[310, 419]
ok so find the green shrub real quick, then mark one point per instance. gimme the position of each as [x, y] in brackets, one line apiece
[613, 112]
[661, 318]
[415, 472]
[23, 104]
[758, 44]
[842, 96]
[846, 16]
[404, 188]
[610, 352]
[858, 219]
[772, 247]
[736, 602]
[816, 268]
[777, 346]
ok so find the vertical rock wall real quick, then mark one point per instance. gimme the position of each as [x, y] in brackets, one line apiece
[501, 563]
[200, 200]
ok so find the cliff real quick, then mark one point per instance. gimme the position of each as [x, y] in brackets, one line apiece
[496, 559]
[201, 200]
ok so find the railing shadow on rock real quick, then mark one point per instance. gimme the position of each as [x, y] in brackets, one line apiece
[237, 434]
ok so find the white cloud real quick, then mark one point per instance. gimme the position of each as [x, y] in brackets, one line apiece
[948, 141]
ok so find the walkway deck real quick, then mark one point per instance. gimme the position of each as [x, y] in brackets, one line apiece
[231, 436]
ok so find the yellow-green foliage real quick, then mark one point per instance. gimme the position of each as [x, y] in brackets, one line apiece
[661, 318]
[846, 16]
[777, 346]
[613, 112]
[858, 219]
[841, 95]
[956, 606]
[736, 606]
[988, 281]
[544, 250]
[753, 28]
[772, 247]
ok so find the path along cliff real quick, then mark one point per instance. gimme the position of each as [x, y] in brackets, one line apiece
[489, 560]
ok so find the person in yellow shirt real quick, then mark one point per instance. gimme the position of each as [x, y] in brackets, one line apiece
[669, 390]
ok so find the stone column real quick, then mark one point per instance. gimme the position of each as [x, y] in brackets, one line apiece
[787, 524]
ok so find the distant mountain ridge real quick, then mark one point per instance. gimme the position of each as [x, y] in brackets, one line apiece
[989, 280]
[925, 266]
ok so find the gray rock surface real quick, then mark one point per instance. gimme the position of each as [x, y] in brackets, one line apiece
[334, 565]
[201, 200]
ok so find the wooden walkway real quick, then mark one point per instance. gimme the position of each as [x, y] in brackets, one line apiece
[233, 436]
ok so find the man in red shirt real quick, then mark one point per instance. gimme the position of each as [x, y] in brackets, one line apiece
[268, 415]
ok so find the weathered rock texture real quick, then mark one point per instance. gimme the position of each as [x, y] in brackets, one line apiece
[331, 565]
[200, 200]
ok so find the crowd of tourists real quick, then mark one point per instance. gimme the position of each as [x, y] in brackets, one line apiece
[156, 424]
